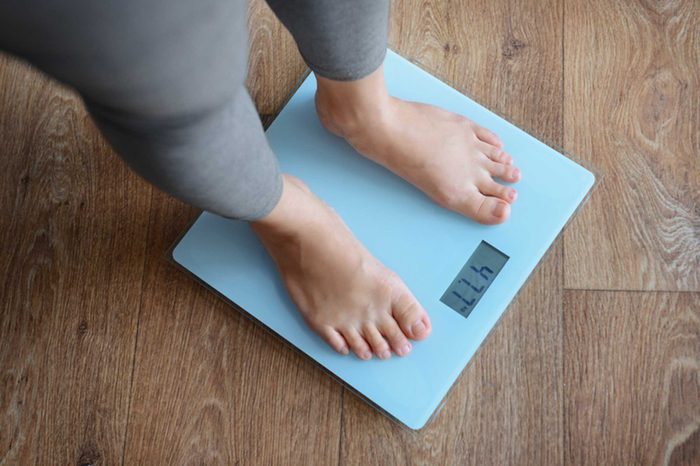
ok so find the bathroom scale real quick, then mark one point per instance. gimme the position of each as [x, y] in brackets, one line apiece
[463, 273]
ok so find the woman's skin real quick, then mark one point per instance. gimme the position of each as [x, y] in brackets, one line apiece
[344, 294]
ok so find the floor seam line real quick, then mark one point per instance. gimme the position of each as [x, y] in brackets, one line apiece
[605, 290]
[340, 431]
[138, 330]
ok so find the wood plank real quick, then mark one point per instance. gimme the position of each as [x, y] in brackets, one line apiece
[211, 387]
[506, 55]
[506, 408]
[72, 233]
[632, 109]
[632, 366]
[274, 63]
[207, 381]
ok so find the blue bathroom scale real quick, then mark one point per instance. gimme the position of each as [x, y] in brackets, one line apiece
[464, 274]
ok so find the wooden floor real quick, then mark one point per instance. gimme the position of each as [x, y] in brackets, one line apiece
[109, 355]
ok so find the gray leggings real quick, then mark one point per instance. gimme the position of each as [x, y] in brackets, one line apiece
[164, 81]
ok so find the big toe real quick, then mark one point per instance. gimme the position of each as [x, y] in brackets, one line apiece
[410, 315]
[487, 210]
[492, 211]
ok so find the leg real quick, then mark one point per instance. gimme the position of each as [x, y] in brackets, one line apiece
[360, 304]
[166, 91]
[344, 45]
[342, 41]
[164, 82]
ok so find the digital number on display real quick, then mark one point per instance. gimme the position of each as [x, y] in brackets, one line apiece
[474, 279]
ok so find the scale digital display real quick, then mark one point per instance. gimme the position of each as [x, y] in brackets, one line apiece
[474, 279]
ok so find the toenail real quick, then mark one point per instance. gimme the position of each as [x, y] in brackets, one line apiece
[344, 350]
[386, 354]
[366, 355]
[516, 173]
[511, 194]
[418, 327]
[499, 210]
[405, 349]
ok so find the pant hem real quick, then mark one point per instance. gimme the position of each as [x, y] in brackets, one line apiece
[349, 75]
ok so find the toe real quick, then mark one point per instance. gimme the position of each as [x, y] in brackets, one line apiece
[334, 339]
[358, 345]
[487, 136]
[410, 315]
[393, 334]
[490, 188]
[493, 211]
[376, 341]
[484, 209]
[507, 173]
[495, 153]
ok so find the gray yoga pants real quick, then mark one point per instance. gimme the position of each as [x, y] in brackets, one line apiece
[164, 81]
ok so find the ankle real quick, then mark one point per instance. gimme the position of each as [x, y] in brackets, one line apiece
[290, 213]
[297, 219]
[345, 107]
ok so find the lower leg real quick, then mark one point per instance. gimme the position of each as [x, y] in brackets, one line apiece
[167, 91]
[344, 43]
[343, 293]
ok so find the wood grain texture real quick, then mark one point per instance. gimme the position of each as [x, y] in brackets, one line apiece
[211, 387]
[507, 406]
[632, 109]
[632, 366]
[72, 237]
[274, 63]
[109, 354]
[505, 55]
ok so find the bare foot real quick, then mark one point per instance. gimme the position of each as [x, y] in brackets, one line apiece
[449, 157]
[344, 294]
